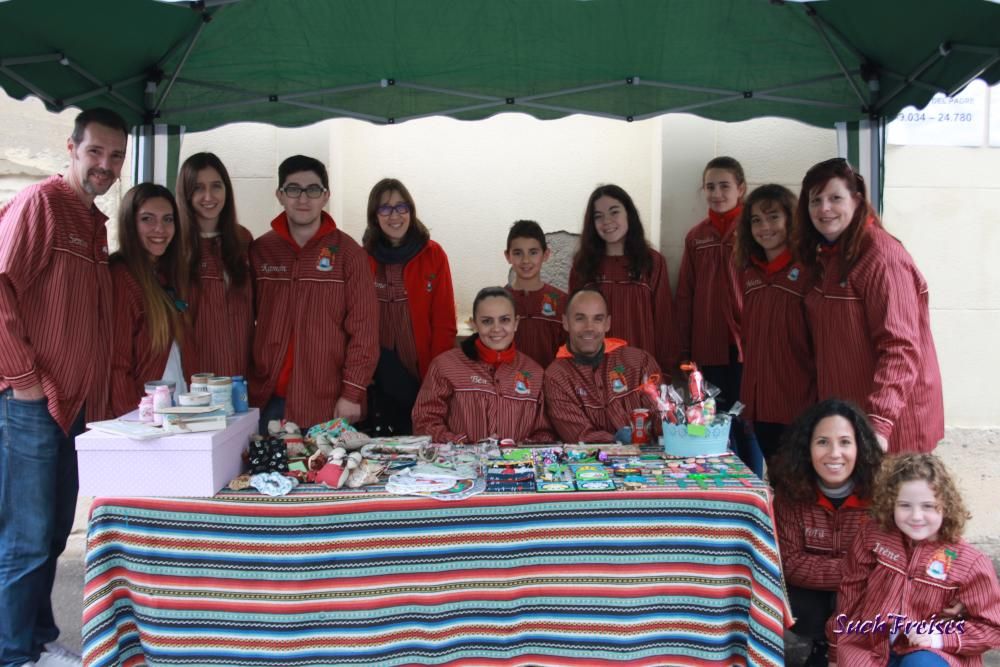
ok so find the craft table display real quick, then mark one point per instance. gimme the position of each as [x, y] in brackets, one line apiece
[650, 577]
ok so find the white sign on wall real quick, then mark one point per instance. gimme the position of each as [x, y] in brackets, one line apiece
[946, 121]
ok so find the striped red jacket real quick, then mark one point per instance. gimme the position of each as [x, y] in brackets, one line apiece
[430, 297]
[642, 310]
[321, 297]
[873, 342]
[779, 370]
[55, 300]
[218, 340]
[815, 538]
[134, 362]
[885, 574]
[590, 404]
[539, 322]
[709, 300]
[466, 400]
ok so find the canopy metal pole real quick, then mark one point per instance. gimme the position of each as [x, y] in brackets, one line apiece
[110, 91]
[821, 29]
[943, 50]
[70, 101]
[205, 18]
[30, 86]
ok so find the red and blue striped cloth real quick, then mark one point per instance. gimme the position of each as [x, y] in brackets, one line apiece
[668, 577]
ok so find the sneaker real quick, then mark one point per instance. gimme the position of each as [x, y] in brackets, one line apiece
[57, 655]
[817, 655]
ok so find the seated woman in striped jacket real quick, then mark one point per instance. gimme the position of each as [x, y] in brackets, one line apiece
[823, 482]
[485, 388]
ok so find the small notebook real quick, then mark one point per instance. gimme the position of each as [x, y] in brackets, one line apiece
[129, 429]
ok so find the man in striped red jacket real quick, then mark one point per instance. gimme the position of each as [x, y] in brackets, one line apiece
[595, 382]
[55, 349]
[316, 342]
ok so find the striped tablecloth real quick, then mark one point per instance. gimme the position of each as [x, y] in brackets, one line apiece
[673, 577]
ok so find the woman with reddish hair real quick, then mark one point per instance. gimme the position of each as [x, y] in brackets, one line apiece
[868, 314]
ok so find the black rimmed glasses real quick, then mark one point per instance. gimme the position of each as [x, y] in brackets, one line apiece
[295, 191]
[385, 210]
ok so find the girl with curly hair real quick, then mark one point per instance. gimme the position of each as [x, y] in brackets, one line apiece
[905, 566]
[823, 483]
[615, 259]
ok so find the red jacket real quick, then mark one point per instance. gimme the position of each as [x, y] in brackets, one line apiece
[886, 574]
[321, 299]
[465, 400]
[431, 299]
[815, 538]
[218, 341]
[709, 300]
[539, 322]
[55, 300]
[134, 362]
[590, 404]
[872, 337]
[642, 310]
[779, 369]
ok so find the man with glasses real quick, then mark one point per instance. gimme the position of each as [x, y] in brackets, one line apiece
[316, 342]
[55, 337]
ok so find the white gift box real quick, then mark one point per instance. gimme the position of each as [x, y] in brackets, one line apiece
[188, 464]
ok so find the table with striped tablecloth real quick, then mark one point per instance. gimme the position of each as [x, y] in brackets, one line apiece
[668, 577]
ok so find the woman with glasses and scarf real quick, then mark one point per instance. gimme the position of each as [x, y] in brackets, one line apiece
[149, 279]
[416, 304]
[868, 313]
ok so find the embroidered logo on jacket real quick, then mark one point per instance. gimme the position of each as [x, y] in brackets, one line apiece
[326, 257]
[549, 304]
[522, 384]
[941, 563]
[793, 275]
[431, 277]
[618, 382]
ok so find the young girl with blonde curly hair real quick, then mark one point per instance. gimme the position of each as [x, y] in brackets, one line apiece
[906, 566]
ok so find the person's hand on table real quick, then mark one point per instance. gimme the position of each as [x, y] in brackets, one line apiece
[34, 393]
[348, 410]
[883, 443]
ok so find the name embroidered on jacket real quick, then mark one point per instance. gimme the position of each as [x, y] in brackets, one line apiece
[475, 379]
[273, 268]
[887, 553]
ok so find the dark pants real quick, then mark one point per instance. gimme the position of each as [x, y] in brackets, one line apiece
[727, 378]
[811, 609]
[275, 409]
[769, 438]
[390, 397]
[38, 489]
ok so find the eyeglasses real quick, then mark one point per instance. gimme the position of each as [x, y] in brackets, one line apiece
[402, 208]
[295, 191]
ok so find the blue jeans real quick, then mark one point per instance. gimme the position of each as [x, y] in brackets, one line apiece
[917, 659]
[38, 489]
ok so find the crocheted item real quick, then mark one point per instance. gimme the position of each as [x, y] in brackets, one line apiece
[273, 483]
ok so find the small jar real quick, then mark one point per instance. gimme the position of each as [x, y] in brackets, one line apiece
[241, 403]
[161, 399]
[146, 409]
[171, 386]
[199, 382]
[221, 388]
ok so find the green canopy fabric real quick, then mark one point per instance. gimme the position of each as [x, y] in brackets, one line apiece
[295, 62]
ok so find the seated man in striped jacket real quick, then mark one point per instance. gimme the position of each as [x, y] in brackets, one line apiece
[595, 382]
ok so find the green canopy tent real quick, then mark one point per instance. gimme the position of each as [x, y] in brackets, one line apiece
[199, 65]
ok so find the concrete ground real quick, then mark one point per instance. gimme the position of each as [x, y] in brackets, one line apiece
[969, 454]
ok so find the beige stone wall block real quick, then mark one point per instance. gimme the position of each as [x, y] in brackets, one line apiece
[966, 342]
[953, 243]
